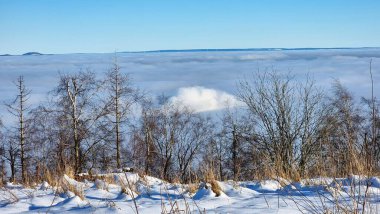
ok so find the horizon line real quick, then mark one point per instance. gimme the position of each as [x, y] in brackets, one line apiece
[197, 50]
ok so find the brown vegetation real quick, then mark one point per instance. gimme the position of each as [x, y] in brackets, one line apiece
[288, 129]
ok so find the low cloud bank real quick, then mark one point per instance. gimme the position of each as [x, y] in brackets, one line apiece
[201, 99]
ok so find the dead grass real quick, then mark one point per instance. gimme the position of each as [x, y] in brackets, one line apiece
[108, 179]
[216, 188]
[69, 171]
[68, 187]
[209, 177]
[50, 178]
[192, 188]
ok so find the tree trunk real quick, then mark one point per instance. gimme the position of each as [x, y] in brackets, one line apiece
[235, 154]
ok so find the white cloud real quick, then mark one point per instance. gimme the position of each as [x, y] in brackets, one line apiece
[264, 56]
[201, 99]
[165, 73]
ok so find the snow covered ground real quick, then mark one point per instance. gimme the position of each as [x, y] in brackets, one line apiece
[153, 195]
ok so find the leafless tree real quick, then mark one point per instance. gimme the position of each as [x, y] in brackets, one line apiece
[314, 111]
[343, 127]
[192, 133]
[2, 154]
[371, 128]
[168, 138]
[11, 151]
[148, 127]
[118, 102]
[47, 146]
[237, 136]
[75, 94]
[19, 108]
[282, 109]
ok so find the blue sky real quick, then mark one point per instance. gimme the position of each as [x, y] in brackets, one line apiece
[85, 26]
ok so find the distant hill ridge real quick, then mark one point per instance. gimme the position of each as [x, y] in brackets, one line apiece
[34, 53]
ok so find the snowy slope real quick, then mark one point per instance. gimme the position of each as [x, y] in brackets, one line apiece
[153, 195]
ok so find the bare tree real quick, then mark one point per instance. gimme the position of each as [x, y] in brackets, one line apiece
[314, 111]
[11, 151]
[344, 125]
[18, 108]
[118, 102]
[282, 109]
[168, 139]
[47, 146]
[236, 136]
[144, 152]
[148, 127]
[75, 94]
[2, 154]
[372, 147]
[371, 128]
[192, 133]
[164, 138]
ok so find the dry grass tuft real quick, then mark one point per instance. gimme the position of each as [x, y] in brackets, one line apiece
[69, 187]
[216, 188]
[192, 188]
[69, 171]
[109, 179]
[50, 178]
[209, 177]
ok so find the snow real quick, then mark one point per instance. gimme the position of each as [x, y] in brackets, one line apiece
[44, 186]
[154, 195]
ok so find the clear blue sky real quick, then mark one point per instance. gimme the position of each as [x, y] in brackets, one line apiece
[72, 26]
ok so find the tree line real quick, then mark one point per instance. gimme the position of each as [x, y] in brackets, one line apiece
[286, 127]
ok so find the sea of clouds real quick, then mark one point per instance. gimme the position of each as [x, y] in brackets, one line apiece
[205, 81]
